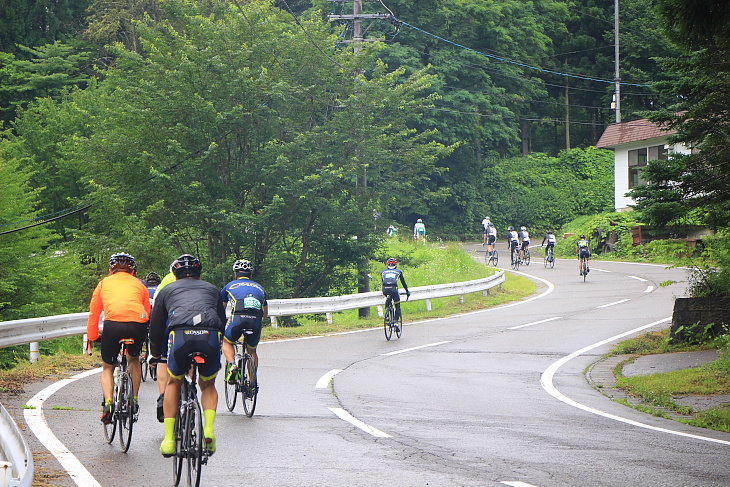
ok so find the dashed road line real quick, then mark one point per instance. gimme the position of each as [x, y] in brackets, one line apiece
[414, 348]
[342, 414]
[535, 323]
[325, 380]
[612, 304]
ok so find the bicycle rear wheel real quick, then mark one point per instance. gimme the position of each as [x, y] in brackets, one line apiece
[230, 390]
[495, 258]
[515, 259]
[194, 444]
[143, 360]
[399, 325]
[526, 260]
[249, 391]
[125, 411]
[386, 322]
[177, 459]
[111, 428]
[552, 260]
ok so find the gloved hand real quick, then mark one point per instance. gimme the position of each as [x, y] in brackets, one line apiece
[153, 360]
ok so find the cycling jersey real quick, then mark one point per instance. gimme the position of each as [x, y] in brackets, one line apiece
[583, 248]
[245, 295]
[550, 238]
[524, 236]
[419, 229]
[122, 297]
[390, 283]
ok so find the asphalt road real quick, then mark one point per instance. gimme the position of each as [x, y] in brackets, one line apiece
[490, 398]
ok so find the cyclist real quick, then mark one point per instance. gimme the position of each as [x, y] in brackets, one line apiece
[485, 226]
[126, 306]
[392, 231]
[550, 239]
[390, 278]
[153, 280]
[197, 320]
[524, 237]
[419, 230]
[491, 237]
[248, 308]
[583, 249]
[513, 242]
[161, 367]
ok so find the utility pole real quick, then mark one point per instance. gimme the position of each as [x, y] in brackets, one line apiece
[617, 79]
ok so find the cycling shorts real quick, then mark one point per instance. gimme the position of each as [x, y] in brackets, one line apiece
[491, 239]
[549, 245]
[247, 325]
[392, 293]
[185, 341]
[525, 244]
[584, 253]
[117, 330]
[513, 244]
[421, 231]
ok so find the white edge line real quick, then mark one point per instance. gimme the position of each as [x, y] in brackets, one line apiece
[536, 323]
[38, 425]
[599, 270]
[637, 278]
[513, 483]
[342, 414]
[414, 348]
[649, 289]
[324, 381]
[546, 380]
[612, 304]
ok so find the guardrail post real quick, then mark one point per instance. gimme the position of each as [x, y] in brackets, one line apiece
[329, 318]
[380, 311]
[485, 293]
[85, 342]
[461, 299]
[428, 305]
[34, 352]
[274, 323]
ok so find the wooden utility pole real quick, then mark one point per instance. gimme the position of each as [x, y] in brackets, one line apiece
[617, 78]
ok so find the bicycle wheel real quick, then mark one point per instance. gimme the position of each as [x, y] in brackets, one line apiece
[584, 266]
[143, 360]
[515, 259]
[546, 260]
[386, 322]
[249, 390]
[194, 440]
[125, 411]
[230, 390]
[111, 428]
[552, 260]
[181, 427]
[399, 326]
[496, 258]
[526, 260]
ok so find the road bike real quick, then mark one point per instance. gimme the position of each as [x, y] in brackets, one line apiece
[190, 452]
[246, 382]
[549, 260]
[492, 258]
[516, 261]
[526, 257]
[584, 267]
[123, 400]
[389, 321]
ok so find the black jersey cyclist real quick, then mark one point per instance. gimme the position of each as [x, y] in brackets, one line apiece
[390, 277]
[583, 249]
[248, 308]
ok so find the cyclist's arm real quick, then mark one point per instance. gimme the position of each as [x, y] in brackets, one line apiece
[405, 286]
[158, 323]
[95, 308]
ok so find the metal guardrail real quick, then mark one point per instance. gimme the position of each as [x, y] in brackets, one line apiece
[16, 460]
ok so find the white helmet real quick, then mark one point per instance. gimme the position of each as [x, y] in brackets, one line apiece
[523, 228]
[419, 221]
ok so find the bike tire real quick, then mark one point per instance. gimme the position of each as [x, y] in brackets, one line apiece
[125, 412]
[196, 441]
[143, 360]
[515, 260]
[546, 260]
[231, 390]
[552, 260]
[111, 428]
[181, 427]
[249, 391]
[386, 322]
[496, 258]
[526, 260]
[399, 326]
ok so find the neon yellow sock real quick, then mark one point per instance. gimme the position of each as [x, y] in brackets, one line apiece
[169, 429]
[209, 415]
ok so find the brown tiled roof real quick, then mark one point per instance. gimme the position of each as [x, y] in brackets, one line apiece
[634, 131]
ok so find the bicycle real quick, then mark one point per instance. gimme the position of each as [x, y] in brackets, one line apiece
[246, 382]
[584, 267]
[189, 440]
[389, 321]
[549, 258]
[516, 261]
[526, 259]
[123, 400]
[492, 257]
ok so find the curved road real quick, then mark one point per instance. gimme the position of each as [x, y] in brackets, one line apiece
[490, 398]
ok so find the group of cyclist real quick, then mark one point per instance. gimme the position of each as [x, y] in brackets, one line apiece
[182, 315]
[521, 240]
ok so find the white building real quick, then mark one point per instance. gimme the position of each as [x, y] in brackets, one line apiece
[634, 144]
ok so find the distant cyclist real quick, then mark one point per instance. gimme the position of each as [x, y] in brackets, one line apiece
[485, 226]
[126, 306]
[550, 239]
[419, 230]
[153, 280]
[491, 237]
[248, 308]
[583, 249]
[524, 238]
[390, 277]
[197, 320]
[513, 242]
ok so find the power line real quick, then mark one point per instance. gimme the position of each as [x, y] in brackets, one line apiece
[47, 221]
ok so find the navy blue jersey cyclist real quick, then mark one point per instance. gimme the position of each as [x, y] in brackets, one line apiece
[390, 277]
[550, 239]
[248, 308]
[583, 249]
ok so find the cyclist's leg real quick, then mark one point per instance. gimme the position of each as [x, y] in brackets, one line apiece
[109, 352]
[206, 381]
[138, 332]
[252, 341]
[234, 328]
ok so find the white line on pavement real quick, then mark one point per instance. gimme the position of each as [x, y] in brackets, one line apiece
[637, 278]
[547, 383]
[599, 270]
[37, 424]
[324, 381]
[612, 304]
[414, 348]
[536, 323]
[649, 289]
[342, 414]
[516, 484]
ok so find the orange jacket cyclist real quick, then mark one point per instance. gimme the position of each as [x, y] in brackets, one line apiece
[126, 306]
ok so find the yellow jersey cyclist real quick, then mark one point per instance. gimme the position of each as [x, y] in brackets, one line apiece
[248, 308]
[583, 249]
[196, 323]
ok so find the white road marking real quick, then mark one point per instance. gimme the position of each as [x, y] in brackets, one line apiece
[649, 289]
[324, 381]
[516, 483]
[536, 323]
[637, 278]
[547, 383]
[342, 414]
[599, 270]
[414, 348]
[612, 304]
[37, 424]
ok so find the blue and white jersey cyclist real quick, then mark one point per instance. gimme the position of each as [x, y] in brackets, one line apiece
[524, 237]
[248, 308]
[513, 240]
[390, 277]
[550, 239]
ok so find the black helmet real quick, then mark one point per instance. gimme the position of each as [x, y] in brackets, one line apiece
[391, 262]
[582, 236]
[550, 231]
[153, 279]
[122, 262]
[187, 266]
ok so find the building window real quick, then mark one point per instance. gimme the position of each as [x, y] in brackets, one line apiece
[638, 158]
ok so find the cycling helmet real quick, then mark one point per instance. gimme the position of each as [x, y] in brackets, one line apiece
[122, 262]
[582, 236]
[419, 221]
[153, 279]
[510, 229]
[242, 265]
[550, 231]
[391, 262]
[523, 228]
[187, 266]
